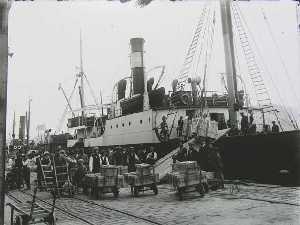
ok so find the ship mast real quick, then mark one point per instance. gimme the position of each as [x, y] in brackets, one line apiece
[229, 59]
[14, 125]
[81, 75]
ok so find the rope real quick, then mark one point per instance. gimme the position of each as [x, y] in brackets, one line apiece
[282, 63]
[263, 62]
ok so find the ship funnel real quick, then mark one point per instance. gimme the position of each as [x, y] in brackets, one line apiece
[22, 128]
[137, 65]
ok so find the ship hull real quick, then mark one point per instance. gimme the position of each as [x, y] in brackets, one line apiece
[268, 158]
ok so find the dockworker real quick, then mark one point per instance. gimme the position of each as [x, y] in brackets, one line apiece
[132, 159]
[143, 153]
[43, 160]
[104, 158]
[192, 154]
[164, 133]
[117, 156]
[62, 161]
[215, 162]
[181, 155]
[244, 124]
[180, 126]
[151, 156]
[275, 127]
[94, 161]
[26, 170]
[82, 155]
[19, 170]
[80, 174]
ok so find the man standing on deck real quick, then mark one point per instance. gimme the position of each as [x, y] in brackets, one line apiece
[244, 124]
[181, 155]
[275, 127]
[180, 127]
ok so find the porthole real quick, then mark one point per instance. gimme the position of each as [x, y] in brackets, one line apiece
[141, 121]
[129, 123]
[122, 124]
[110, 127]
[117, 126]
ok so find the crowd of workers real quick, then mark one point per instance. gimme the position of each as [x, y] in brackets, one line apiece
[79, 161]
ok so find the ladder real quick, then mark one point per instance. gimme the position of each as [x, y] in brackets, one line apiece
[62, 177]
[47, 181]
[183, 76]
[261, 91]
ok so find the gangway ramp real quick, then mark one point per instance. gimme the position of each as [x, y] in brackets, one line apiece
[164, 165]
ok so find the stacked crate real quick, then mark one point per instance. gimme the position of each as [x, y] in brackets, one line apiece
[109, 177]
[185, 174]
[144, 175]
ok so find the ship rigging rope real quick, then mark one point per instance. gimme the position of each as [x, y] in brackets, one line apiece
[67, 107]
[204, 28]
[281, 61]
[263, 62]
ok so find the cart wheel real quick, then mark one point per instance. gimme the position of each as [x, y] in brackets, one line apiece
[200, 189]
[116, 193]
[136, 191]
[51, 220]
[180, 194]
[155, 190]
[206, 188]
[20, 220]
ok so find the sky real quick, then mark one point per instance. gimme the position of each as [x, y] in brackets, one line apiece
[44, 37]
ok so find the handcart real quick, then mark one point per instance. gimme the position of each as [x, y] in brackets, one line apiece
[47, 176]
[108, 181]
[32, 213]
[186, 177]
[63, 184]
[144, 179]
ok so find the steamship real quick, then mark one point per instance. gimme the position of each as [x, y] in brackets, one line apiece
[135, 119]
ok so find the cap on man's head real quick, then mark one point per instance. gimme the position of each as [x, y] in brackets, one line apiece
[46, 153]
[62, 151]
[273, 121]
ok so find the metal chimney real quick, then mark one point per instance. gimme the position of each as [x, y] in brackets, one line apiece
[139, 80]
[22, 128]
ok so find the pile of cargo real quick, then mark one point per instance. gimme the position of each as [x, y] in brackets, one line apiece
[185, 174]
[143, 179]
[144, 175]
[109, 177]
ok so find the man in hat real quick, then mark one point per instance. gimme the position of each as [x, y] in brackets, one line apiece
[244, 124]
[192, 154]
[104, 158]
[151, 156]
[181, 155]
[275, 127]
[80, 174]
[19, 170]
[180, 126]
[43, 160]
[215, 162]
[94, 161]
[132, 159]
[164, 133]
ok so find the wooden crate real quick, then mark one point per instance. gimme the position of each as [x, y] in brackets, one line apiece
[108, 181]
[123, 169]
[184, 180]
[109, 170]
[144, 169]
[183, 167]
